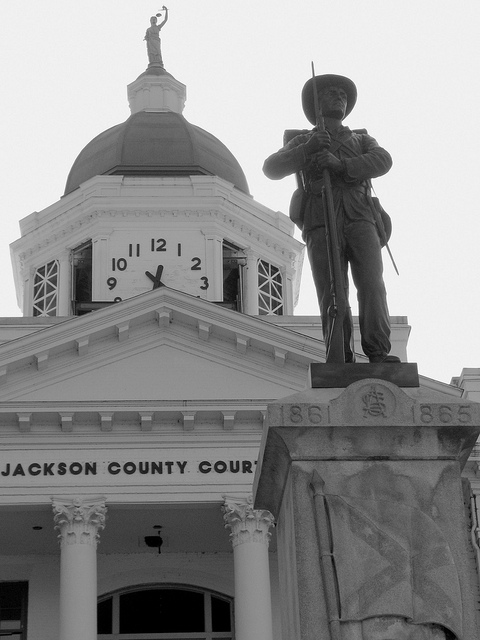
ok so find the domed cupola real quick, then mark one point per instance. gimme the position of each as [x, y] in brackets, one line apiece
[156, 140]
[156, 202]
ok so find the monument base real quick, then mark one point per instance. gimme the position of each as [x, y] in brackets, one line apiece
[330, 375]
[365, 484]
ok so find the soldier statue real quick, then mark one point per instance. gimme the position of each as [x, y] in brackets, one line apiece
[352, 159]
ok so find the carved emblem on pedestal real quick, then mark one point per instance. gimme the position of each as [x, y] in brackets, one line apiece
[375, 401]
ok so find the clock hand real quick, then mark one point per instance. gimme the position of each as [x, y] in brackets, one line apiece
[156, 279]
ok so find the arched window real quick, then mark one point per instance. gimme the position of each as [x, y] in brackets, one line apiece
[166, 612]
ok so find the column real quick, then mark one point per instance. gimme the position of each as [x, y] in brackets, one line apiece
[214, 262]
[79, 522]
[250, 538]
[250, 300]
[64, 293]
[100, 268]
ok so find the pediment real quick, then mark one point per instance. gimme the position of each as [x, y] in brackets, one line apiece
[161, 346]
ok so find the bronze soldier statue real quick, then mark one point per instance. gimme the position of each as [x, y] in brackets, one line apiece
[352, 159]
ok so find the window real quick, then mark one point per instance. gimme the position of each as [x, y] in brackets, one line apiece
[270, 289]
[234, 261]
[45, 290]
[82, 278]
[165, 613]
[13, 610]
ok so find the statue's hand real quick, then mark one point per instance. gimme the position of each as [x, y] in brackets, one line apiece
[318, 141]
[326, 160]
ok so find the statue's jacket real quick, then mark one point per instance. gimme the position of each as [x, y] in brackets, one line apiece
[362, 159]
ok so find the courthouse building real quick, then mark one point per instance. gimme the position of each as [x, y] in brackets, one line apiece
[158, 300]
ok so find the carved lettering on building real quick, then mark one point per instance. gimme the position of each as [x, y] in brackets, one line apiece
[129, 468]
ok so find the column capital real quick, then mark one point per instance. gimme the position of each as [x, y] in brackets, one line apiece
[79, 520]
[246, 524]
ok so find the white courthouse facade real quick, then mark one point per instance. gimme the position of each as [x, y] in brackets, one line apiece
[158, 301]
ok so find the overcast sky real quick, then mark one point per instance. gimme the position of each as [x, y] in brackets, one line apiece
[64, 70]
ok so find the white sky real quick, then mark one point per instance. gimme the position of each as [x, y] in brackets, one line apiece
[416, 63]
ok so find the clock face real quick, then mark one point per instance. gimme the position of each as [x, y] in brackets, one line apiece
[142, 261]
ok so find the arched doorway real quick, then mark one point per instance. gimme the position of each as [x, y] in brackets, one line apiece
[165, 612]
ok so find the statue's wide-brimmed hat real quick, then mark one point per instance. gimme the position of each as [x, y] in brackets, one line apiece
[327, 80]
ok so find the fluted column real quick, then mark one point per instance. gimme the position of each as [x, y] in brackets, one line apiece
[79, 522]
[250, 537]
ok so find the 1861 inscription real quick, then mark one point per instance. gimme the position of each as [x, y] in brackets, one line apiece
[305, 414]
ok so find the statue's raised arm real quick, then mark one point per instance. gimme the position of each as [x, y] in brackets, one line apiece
[164, 8]
[152, 39]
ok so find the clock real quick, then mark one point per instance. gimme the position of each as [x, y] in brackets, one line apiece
[139, 261]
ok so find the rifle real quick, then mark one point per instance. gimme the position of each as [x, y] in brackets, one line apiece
[338, 308]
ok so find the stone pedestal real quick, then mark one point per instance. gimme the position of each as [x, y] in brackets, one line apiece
[365, 485]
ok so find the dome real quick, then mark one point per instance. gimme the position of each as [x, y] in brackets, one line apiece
[153, 143]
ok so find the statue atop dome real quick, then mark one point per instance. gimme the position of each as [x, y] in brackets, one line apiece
[152, 38]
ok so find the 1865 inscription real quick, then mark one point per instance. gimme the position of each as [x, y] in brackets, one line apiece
[444, 414]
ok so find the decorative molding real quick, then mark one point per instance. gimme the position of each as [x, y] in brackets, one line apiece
[228, 420]
[71, 417]
[164, 316]
[24, 422]
[123, 330]
[67, 421]
[228, 213]
[242, 343]
[204, 329]
[280, 356]
[247, 524]
[79, 520]
[82, 345]
[262, 335]
[41, 360]
[106, 420]
[189, 420]
[146, 420]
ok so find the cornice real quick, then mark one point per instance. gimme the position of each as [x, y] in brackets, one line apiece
[263, 235]
[140, 419]
[164, 306]
[105, 198]
[201, 329]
